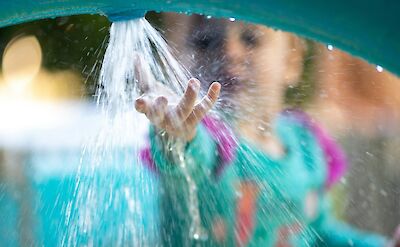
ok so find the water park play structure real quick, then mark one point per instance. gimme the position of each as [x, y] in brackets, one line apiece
[365, 29]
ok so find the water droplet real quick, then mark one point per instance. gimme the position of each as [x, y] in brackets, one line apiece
[232, 19]
[196, 236]
[379, 68]
[261, 127]
[330, 47]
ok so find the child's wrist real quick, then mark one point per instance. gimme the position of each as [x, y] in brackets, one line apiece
[186, 136]
[191, 135]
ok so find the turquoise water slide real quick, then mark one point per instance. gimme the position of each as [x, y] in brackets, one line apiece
[369, 29]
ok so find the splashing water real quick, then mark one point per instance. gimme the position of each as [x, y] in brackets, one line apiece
[136, 53]
[137, 60]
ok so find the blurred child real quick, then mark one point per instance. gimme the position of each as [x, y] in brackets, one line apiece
[265, 189]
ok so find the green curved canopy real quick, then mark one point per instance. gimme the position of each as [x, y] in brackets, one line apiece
[369, 29]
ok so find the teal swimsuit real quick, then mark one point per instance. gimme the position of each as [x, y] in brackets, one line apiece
[245, 197]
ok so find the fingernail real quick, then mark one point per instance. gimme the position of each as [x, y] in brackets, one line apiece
[218, 85]
[216, 82]
[194, 84]
[161, 100]
[139, 104]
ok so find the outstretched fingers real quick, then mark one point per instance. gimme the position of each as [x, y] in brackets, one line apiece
[158, 111]
[204, 106]
[186, 104]
[179, 121]
[155, 110]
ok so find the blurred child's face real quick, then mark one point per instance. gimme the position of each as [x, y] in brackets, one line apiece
[265, 62]
[253, 62]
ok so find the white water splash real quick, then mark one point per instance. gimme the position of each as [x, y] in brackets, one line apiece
[109, 180]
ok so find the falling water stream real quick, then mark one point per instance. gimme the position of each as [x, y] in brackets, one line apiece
[137, 61]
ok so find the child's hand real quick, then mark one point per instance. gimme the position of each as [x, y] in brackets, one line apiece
[180, 120]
